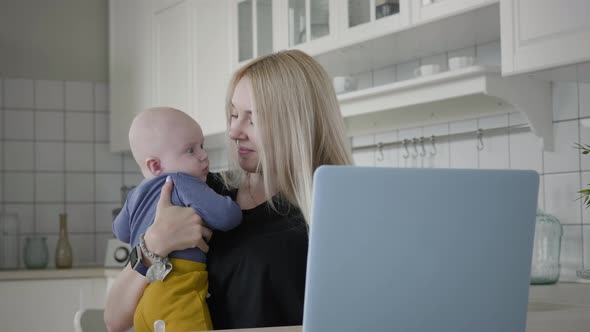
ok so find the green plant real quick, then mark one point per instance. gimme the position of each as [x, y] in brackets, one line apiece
[585, 193]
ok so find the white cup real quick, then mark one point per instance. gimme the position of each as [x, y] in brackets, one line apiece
[344, 84]
[426, 70]
[459, 62]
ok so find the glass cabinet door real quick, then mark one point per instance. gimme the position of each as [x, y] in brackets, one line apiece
[359, 12]
[308, 20]
[365, 11]
[254, 28]
[384, 8]
[320, 18]
[297, 22]
[264, 26]
[245, 38]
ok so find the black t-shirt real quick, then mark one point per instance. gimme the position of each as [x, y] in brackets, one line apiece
[257, 270]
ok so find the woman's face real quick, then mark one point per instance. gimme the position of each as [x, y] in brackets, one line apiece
[242, 130]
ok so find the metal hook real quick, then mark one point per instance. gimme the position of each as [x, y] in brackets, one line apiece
[415, 145]
[433, 152]
[423, 152]
[380, 157]
[480, 139]
[406, 155]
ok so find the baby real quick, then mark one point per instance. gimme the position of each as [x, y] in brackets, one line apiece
[166, 142]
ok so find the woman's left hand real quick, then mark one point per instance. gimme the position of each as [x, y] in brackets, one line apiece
[175, 227]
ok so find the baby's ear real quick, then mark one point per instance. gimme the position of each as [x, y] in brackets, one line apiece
[153, 166]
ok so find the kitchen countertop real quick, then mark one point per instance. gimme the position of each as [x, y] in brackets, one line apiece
[548, 319]
[563, 307]
[44, 274]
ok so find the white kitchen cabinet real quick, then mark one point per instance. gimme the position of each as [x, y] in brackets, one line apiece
[47, 305]
[213, 69]
[309, 25]
[361, 20]
[192, 61]
[130, 66]
[259, 27]
[252, 29]
[322, 26]
[542, 34]
[428, 10]
[158, 5]
[174, 56]
[168, 53]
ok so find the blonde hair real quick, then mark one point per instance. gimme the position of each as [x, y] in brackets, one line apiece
[298, 121]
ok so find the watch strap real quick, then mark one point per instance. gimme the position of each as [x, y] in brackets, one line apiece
[136, 261]
[140, 268]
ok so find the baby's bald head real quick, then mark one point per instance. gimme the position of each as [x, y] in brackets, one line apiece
[157, 131]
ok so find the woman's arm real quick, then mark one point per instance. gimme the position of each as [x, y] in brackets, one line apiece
[122, 299]
[174, 228]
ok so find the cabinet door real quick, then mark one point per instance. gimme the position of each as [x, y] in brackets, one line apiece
[428, 10]
[310, 24]
[367, 19]
[252, 28]
[47, 305]
[174, 54]
[541, 34]
[213, 66]
[130, 66]
[158, 5]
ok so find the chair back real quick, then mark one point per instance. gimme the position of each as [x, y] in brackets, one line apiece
[90, 320]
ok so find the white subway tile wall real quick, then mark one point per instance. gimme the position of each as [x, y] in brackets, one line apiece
[563, 171]
[18, 93]
[571, 252]
[49, 95]
[364, 158]
[584, 96]
[55, 158]
[564, 158]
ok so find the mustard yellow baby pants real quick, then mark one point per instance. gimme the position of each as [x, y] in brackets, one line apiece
[179, 300]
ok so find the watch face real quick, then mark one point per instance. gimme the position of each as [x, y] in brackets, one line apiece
[133, 258]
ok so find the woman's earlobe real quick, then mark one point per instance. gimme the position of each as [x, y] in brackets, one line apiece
[153, 166]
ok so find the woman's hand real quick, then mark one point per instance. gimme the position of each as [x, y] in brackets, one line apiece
[175, 227]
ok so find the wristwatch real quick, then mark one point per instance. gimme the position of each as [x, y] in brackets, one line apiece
[136, 261]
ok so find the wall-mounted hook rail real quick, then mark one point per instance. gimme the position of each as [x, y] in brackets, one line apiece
[433, 140]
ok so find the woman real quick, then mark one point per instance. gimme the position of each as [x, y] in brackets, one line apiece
[284, 122]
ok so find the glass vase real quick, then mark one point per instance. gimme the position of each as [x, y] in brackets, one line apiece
[63, 249]
[545, 265]
[36, 254]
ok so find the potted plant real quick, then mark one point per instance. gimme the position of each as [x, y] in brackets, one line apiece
[585, 197]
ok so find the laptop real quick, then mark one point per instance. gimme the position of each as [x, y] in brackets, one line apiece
[410, 250]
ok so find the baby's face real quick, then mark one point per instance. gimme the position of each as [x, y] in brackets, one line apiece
[184, 152]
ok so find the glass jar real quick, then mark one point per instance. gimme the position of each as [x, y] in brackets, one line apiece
[545, 265]
[9, 241]
[36, 253]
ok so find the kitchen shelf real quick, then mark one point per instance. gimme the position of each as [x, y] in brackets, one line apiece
[418, 40]
[449, 96]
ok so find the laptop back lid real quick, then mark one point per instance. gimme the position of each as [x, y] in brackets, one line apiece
[420, 249]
